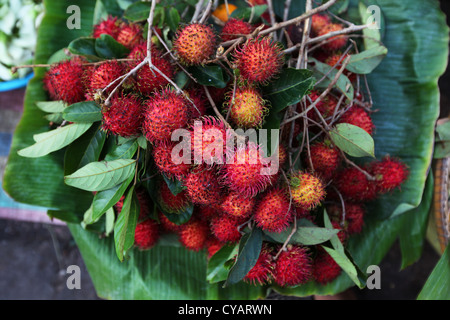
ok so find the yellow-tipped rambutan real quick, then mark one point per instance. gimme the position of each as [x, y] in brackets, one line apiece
[307, 190]
[195, 43]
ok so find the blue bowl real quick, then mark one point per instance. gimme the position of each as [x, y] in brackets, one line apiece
[16, 83]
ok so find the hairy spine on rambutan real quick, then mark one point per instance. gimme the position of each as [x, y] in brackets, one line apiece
[248, 108]
[318, 22]
[325, 159]
[273, 212]
[236, 205]
[357, 116]
[110, 26]
[353, 219]
[389, 173]
[202, 186]
[195, 43]
[165, 112]
[307, 190]
[336, 42]
[64, 81]
[193, 234]
[259, 60]
[162, 155]
[354, 185]
[213, 245]
[245, 172]
[226, 227]
[166, 224]
[130, 35]
[293, 266]
[169, 202]
[102, 76]
[262, 271]
[146, 234]
[235, 28]
[325, 269]
[123, 116]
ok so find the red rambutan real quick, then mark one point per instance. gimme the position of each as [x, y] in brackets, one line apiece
[165, 112]
[236, 205]
[318, 22]
[203, 187]
[325, 269]
[206, 213]
[146, 234]
[261, 273]
[389, 173]
[64, 81]
[359, 117]
[234, 28]
[195, 43]
[246, 173]
[336, 42]
[272, 211]
[193, 234]
[103, 75]
[307, 190]
[247, 108]
[325, 159]
[213, 245]
[197, 95]
[130, 35]
[123, 116]
[354, 216]
[293, 266]
[162, 154]
[110, 26]
[225, 227]
[259, 60]
[169, 202]
[168, 225]
[354, 185]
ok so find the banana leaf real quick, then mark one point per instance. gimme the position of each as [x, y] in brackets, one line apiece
[404, 89]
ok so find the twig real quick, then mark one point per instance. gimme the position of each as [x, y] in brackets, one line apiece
[207, 12]
[351, 29]
[302, 59]
[287, 6]
[294, 230]
[348, 161]
[272, 17]
[342, 204]
[217, 112]
[198, 9]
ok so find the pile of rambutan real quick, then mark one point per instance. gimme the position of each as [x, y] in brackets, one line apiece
[171, 106]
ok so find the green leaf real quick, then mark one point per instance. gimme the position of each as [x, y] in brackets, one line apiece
[443, 131]
[100, 12]
[304, 235]
[123, 151]
[210, 75]
[372, 36]
[108, 48]
[86, 111]
[84, 46]
[51, 106]
[181, 217]
[126, 224]
[173, 19]
[84, 150]
[322, 70]
[103, 175]
[353, 140]
[249, 250]
[142, 142]
[175, 186]
[291, 86]
[54, 140]
[437, 286]
[138, 11]
[245, 13]
[59, 56]
[110, 219]
[216, 270]
[88, 218]
[366, 61]
[56, 118]
[106, 199]
[66, 216]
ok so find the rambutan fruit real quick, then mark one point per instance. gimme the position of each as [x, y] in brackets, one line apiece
[162, 155]
[165, 112]
[336, 42]
[103, 75]
[167, 225]
[123, 116]
[197, 95]
[272, 213]
[354, 185]
[246, 173]
[234, 28]
[169, 202]
[110, 26]
[307, 190]
[247, 107]
[354, 216]
[193, 234]
[259, 60]
[203, 187]
[390, 173]
[206, 213]
[225, 227]
[325, 269]
[146, 234]
[130, 34]
[325, 159]
[359, 117]
[261, 273]
[325, 106]
[318, 22]
[64, 81]
[293, 266]
[209, 137]
[213, 245]
[195, 43]
[236, 205]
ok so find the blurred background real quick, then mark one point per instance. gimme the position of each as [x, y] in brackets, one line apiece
[36, 251]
